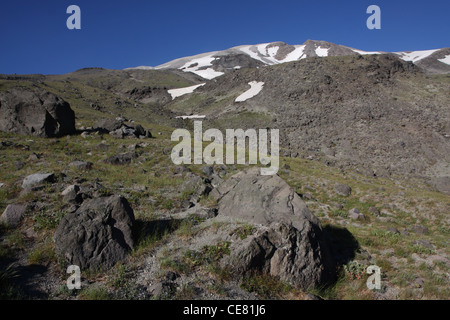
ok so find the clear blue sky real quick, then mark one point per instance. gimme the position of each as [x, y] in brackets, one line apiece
[119, 34]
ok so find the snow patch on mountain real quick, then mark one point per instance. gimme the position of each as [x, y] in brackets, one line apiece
[295, 55]
[200, 66]
[415, 56]
[175, 93]
[255, 89]
[365, 52]
[446, 60]
[140, 68]
[208, 73]
[322, 52]
[194, 116]
[272, 51]
[262, 48]
[258, 53]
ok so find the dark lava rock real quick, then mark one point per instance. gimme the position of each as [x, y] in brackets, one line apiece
[290, 243]
[343, 189]
[35, 112]
[98, 234]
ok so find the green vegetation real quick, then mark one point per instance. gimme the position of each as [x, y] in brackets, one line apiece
[8, 291]
[266, 286]
[207, 255]
[94, 293]
[244, 231]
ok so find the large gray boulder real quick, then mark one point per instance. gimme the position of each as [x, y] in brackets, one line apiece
[37, 179]
[196, 186]
[108, 125]
[289, 242]
[119, 130]
[299, 257]
[441, 184]
[35, 112]
[342, 189]
[13, 215]
[262, 200]
[121, 158]
[98, 234]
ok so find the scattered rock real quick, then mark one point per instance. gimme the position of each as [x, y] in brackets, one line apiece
[162, 289]
[179, 170]
[391, 206]
[117, 134]
[98, 234]
[81, 165]
[419, 282]
[197, 211]
[355, 214]
[117, 129]
[70, 189]
[30, 233]
[328, 152]
[196, 185]
[338, 206]
[374, 211]
[85, 134]
[35, 112]
[424, 243]
[216, 180]
[139, 130]
[71, 195]
[441, 184]
[343, 189]
[404, 233]
[121, 159]
[36, 179]
[208, 170]
[13, 215]
[33, 157]
[133, 147]
[420, 229]
[18, 165]
[307, 196]
[171, 276]
[393, 230]
[108, 125]
[285, 153]
[102, 147]
[221, 170]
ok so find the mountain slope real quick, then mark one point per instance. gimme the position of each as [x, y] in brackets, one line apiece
[95, 92]
[377, 113]
[213, 64]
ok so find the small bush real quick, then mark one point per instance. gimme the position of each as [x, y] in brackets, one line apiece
[7, 289]
[244, 231]
[265, 285]
[91, 293]
[354, 270]
[207, 255]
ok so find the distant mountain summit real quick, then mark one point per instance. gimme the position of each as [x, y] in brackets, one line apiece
[213, 64]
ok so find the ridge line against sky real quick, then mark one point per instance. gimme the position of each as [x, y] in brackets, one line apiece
[121, 34]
